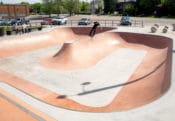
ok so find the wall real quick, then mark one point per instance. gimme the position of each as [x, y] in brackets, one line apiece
[13, 11]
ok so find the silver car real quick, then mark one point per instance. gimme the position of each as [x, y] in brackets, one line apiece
[2, 22]
[59, 20]
[84, 21]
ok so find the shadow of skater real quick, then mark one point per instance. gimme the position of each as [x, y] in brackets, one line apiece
[93, 30]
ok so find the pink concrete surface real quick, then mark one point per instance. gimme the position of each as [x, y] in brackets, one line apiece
[149, 82]
[13, 109]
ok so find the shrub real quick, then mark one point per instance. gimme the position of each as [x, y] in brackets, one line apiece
[2, 31]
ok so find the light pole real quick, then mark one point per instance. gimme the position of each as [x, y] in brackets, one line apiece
[123, 7]
[93, 6]
[78, 6]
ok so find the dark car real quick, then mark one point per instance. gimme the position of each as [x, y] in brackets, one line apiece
[13, 21]
[22, 20]
[125, 20]
[84, 21]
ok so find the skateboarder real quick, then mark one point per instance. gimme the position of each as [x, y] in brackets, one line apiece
[93, 30]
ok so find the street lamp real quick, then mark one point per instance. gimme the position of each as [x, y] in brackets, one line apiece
[78, 6]
[93, 6]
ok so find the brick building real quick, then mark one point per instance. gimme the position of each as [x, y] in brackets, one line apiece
[13, 11]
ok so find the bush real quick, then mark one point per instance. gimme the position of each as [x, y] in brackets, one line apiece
[2, 31]
[40, 28]
[9, 30]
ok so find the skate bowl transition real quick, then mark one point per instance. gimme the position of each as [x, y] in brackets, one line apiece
[111, 71]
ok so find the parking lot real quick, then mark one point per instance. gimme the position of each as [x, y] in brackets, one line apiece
[104, 20]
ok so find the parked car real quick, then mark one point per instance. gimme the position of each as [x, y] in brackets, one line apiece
[13, 21]
[46, 21]
[22, 20]
[2, 22]
[7, 22]
[59, 20]
[84, 21]
[125, 20]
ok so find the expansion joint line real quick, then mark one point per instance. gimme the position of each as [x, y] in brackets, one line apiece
[22, 108]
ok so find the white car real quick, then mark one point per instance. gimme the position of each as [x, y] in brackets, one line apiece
[59, 20]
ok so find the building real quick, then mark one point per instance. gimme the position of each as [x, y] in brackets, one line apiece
[13, 11]
[96, 6]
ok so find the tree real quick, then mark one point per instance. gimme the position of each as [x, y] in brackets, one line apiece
[25, 3]
[171, 7]
[110, 6]
[58, 6]
[72, 6]
[166, 8]
[161, 9]
[106, 6]
[36, 7]
[48, 6]
[147, 7]
[84, 7]
[130, 9]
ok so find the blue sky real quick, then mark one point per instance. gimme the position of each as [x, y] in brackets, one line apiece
[19, 1]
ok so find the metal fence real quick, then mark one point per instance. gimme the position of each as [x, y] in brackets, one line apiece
[107, 23]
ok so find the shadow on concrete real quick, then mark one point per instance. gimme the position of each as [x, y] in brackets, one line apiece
[61, 96]
[122, 84]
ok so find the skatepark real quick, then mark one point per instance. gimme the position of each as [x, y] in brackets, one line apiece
[64, 74]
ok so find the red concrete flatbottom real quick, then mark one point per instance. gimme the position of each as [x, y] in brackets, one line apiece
[150, 80]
